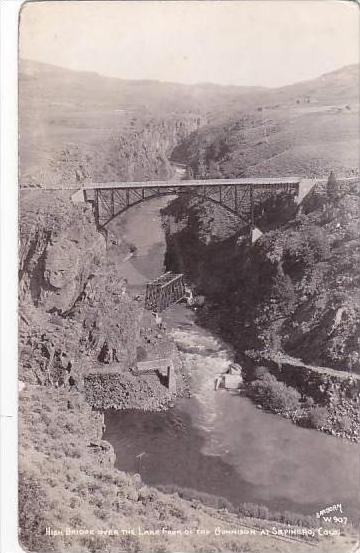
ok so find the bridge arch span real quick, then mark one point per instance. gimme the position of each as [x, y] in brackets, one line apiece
[104, 221]
[237, 196]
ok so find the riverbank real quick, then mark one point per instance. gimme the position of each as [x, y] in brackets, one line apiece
[72, 497]
[217, 442]
[291, 293]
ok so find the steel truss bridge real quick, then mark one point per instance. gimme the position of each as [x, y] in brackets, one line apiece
[238, 196]
[167, 289]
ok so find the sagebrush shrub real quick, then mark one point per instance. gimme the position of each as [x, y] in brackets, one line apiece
[318, 417]
[260, 372]
[274, 394]
[344, 423]
[284, 293]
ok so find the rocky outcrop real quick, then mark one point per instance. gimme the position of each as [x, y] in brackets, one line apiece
[143, 152]
[75, 313]
[59, 249]
[295, 290]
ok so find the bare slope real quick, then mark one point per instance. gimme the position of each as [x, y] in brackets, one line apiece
[304, 129]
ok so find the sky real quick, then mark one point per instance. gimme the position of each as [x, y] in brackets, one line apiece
[239, 42]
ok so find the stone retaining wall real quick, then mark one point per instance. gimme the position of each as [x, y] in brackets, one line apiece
[104, 390]
[324, 386]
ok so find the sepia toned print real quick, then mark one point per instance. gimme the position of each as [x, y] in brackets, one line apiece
[189, 287]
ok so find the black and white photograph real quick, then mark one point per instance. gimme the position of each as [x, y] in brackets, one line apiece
[189, 276]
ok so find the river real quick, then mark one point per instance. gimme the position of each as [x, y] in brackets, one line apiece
[219, 442]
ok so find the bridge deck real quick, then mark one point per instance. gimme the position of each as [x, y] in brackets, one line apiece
[189, 183]
[165, 279]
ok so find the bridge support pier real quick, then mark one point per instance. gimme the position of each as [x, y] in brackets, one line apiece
[79, 197]
[171, 379]
[255, 234]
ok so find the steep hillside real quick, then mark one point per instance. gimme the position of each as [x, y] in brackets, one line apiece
[73, 302]
[303, 129]
[294, 294]
[295, 290]
[76, 316]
